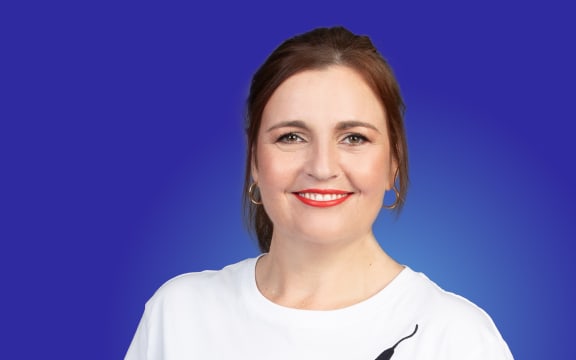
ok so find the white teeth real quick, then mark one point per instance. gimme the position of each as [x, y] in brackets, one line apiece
[322, 197]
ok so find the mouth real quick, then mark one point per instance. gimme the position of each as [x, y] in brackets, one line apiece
[322, 197]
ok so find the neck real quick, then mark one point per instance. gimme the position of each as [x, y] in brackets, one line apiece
[324, 276]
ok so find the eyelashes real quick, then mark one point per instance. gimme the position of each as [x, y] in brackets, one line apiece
[353, 139]
[290, 138]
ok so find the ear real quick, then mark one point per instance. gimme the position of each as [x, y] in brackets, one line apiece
[253, 165]
[393, 170]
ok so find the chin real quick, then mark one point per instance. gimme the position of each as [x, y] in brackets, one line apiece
[323, 237]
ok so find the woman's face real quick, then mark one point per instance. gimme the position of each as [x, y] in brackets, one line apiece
[323, 157]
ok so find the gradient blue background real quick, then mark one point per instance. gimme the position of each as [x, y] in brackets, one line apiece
[122, 155]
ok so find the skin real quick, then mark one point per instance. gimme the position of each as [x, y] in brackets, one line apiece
[323, 129]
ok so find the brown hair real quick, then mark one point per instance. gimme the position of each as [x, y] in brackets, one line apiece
[318, 49]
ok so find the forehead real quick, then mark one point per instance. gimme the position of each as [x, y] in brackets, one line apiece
[335, 93]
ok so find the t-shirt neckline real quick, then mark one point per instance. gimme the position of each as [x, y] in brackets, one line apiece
[383, 300]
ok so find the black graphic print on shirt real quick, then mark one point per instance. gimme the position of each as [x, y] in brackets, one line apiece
[387, 354]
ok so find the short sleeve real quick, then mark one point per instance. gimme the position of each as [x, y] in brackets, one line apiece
[138, 349]
[475, 337]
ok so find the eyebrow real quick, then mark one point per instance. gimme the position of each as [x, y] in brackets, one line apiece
[342, 125]
[290, 123]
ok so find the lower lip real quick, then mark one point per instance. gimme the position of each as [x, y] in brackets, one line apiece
[317, 203]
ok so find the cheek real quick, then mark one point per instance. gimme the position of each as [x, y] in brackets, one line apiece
[371, 174]
[276, 169]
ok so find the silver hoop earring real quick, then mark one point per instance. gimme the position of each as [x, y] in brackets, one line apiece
[251, 194]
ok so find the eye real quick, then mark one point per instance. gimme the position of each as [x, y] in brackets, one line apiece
[355, 139]
[290, 138]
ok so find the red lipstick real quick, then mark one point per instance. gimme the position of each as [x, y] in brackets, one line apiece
[322, 197]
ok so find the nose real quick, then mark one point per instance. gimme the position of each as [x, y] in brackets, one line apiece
[323, 161]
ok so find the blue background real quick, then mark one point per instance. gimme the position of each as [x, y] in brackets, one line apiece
[122, 155]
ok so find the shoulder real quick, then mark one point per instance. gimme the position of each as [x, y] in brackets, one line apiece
[191, 287]
[189, 306]
[461, 327]
[445, 306]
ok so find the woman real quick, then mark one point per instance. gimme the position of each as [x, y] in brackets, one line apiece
[325, 142]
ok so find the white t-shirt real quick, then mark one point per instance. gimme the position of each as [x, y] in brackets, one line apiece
[223, 315]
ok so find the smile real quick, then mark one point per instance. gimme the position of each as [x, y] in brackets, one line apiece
[322, 198]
